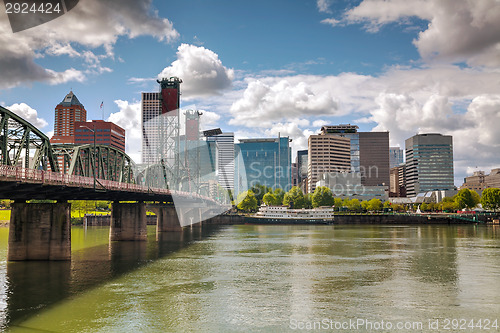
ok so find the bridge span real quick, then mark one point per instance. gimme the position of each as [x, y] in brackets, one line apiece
[33, 169]
[41, 231]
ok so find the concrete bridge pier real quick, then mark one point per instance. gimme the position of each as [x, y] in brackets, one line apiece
[166, 218]
[190, 216]
[40, 231]
[128, 222]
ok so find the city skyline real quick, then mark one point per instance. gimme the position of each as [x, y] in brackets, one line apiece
[274, 68]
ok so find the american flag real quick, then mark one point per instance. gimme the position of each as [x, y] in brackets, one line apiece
[102, 103]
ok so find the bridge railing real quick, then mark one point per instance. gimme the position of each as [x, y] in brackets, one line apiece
[33, 176]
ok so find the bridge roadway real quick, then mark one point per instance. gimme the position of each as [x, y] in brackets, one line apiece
[18, 183]
[41, 231]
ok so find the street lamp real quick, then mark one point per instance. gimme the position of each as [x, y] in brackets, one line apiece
[94, 162]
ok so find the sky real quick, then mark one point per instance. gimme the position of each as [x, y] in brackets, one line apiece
[268, 68]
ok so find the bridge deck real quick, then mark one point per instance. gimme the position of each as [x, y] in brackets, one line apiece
[18, 183]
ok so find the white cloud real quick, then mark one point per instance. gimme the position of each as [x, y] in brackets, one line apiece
[201, 71]
[458, 31]
[484, 116]
[324, 5]
[320, 122]
[66, 76]
[129, 118]
[298, 136]
[440, 98]
[262, 103]
[208, 119]
[90, 25]
[28, 113]
[331, 21]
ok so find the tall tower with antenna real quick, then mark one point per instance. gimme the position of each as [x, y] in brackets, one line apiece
[169, 124]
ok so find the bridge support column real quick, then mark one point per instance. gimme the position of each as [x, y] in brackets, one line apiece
[40, 231]
[128, 222]
[191, 216]
[167, 219]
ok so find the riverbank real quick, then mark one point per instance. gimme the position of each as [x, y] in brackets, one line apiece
[364, 218]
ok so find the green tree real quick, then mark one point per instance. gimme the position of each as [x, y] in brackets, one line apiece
[491, 199]
[375, 204]
[398, 208]
[308, 201]
[432, 206]
[247, 201]
[364, 205]
[270, 199]
[387, 204]
[354, 205]
[338, 202]
[448, 205]
[280, 195]
[294, 198]
[345, 202]
[259, 191]
[322, 196]
[466, 199]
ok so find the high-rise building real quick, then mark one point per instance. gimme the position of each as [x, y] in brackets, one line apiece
[295, 175]
[429, 163]
[327, 153]
[224, 144]
[397, 181]
[374, 158]
[106, 133]
[369, 152]
[150, 125]
[69, 111]
[396, 157]
[301, 165]
[347, 131]
[402, 180]
[265, 161]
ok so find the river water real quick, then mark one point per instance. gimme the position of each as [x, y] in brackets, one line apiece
[261, 279]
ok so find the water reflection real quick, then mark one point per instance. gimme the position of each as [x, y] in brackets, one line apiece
[34, 285]
[31, 286]
[257, 278]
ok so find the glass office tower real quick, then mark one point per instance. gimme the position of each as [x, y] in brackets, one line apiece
[429, 163]
[263, 161]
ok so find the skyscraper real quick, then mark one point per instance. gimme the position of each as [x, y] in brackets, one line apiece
[374, 158]
[69, 111]
[150, 125]
[264, 161]
[369, 152]
[429, 163]
[327, 153]
[301, 165]
[396, 157]
[224, 144]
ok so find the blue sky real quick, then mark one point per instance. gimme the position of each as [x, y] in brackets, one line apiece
[261, 68]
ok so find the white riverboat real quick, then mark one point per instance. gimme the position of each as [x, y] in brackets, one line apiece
[285, 215]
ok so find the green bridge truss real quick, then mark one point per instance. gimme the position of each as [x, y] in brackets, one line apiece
[105, 161]
[23, 145]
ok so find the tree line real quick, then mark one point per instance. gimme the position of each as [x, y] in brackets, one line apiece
[250, 200]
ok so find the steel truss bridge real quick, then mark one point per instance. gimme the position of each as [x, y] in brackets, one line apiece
[32, 168]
